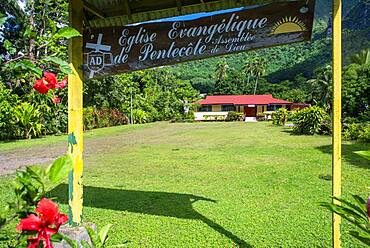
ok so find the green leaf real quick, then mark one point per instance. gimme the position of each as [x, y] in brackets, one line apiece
[361, 203]
[359, 209]
[28, 65]
[364, 238]
[93, 235]
[52, 25]
[72, 243]
[63, 65]
[66, 33]
[57, 238]
[347, 214]
[60, 168]
[38, 173]
[85, 244]
[3, 20]
[364, 154]
[103, 234]
[9, 47]
[29, 33]
[2, 221]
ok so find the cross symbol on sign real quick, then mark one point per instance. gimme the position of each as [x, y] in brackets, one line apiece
[97, 55]
[98, 46]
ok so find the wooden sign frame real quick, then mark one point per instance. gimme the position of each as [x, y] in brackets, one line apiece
[112, 50]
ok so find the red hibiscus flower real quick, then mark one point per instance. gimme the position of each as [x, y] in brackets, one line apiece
[62, 84]
[51, 79]
[49, 82]
[45, 223]
[41, 87]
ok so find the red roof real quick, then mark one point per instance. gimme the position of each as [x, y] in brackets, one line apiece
[242, 100]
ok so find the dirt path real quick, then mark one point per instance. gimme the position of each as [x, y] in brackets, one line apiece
[11, 160]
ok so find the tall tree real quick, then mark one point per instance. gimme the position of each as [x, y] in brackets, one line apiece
[221, 70]
[321, 87]
[220, 76]
[248, 69]
[259, 69]
[41, 43]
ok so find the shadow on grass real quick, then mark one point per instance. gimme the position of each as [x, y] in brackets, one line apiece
[146, 202]
[349, 155]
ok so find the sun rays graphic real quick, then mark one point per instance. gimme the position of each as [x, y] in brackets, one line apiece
[288, 24]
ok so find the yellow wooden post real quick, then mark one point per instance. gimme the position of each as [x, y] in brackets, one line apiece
[75, 113]
[337, 113]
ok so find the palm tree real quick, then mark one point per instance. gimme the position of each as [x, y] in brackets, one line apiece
[248, 69]
[220, 75]
[221, 71]
[321, 87]
[362, 57]
[259, 70]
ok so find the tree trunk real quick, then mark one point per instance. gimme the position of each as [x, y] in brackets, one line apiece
[32, 25]
[255, 87]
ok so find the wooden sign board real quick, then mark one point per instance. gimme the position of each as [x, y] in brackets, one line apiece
[115, 50]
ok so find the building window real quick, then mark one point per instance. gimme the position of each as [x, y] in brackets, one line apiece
[228, 108]
[205, 108]
[274, 107]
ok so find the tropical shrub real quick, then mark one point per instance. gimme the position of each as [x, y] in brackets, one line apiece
[326, 126]
[280, 117]
[98, 118]
[352, 131]
[291, 115]
[181, 118]
[309, 120]
[34, 183]
[27, 120]
[365, 134]
[261, 116]
[357, 131]
[90, 120]
[234, 116]
[139, 116]
[31, 186]
[357, 212]
[8, 102]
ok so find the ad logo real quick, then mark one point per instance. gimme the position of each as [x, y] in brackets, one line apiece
[100, 57]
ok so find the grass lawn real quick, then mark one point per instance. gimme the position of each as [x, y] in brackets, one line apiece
[210, 185]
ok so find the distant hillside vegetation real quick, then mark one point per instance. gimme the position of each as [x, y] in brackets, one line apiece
[286, 62]
[324, 7]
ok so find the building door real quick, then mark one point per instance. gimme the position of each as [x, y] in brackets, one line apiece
[250, 111]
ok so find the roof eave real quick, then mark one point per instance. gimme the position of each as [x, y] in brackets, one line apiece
[123, 12]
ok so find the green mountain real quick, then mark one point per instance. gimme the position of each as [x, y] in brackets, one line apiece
[358, 18]
[324, 7]
[286, 62]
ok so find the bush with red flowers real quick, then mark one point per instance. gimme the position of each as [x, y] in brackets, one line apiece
[30, 188]
[50, 82]
[41, 226]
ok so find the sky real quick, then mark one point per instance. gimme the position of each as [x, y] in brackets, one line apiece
[198, 15]
[22, 3]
